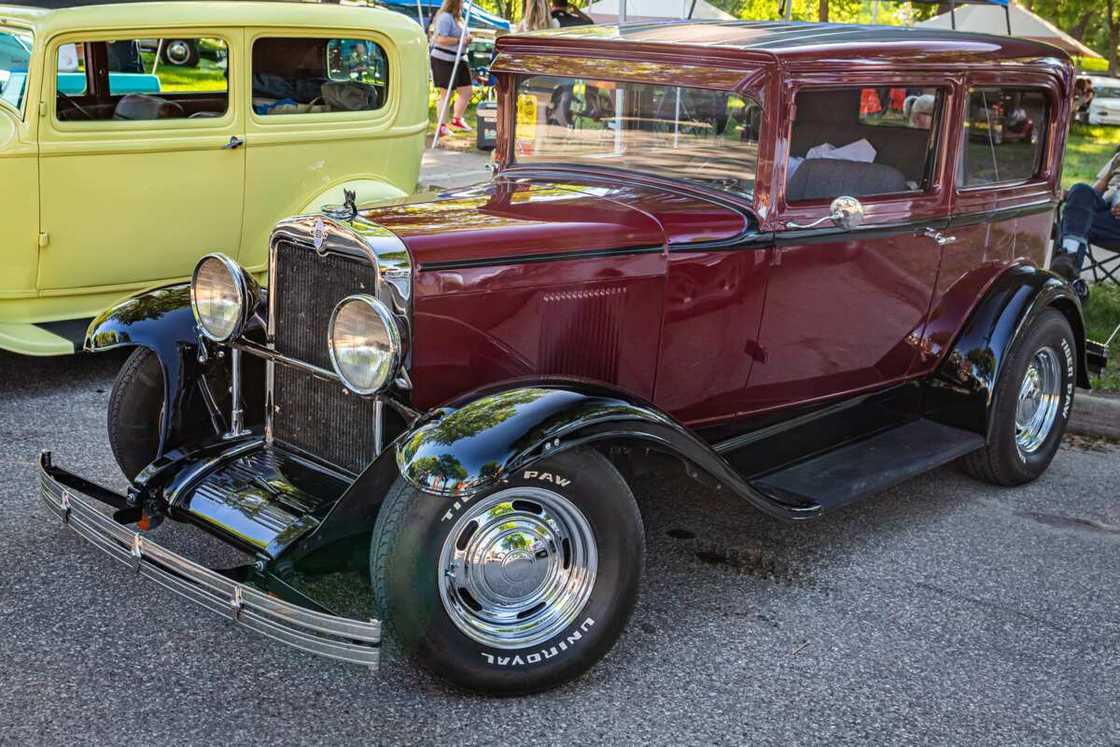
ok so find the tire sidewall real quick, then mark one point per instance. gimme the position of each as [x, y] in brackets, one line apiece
[425, 629]
[1048, 329]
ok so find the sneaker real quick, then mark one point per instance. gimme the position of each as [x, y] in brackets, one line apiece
[444, 132]
[459, 125]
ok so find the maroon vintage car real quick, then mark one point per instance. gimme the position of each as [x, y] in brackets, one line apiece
[793, 256]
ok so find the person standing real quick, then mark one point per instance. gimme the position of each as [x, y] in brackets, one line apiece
[536, 16]
[447, 29]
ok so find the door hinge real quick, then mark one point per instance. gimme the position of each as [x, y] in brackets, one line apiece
[44, 240]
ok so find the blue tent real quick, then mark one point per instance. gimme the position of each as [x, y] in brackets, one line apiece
[480, 19]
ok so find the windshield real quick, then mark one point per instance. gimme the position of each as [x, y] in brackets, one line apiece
[1107, 93]
[691, 134]
[15, 52]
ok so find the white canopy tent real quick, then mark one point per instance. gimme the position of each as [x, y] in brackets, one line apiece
[606, 11]
[992, 19]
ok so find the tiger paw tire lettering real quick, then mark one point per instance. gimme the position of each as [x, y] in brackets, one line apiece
[523, 586]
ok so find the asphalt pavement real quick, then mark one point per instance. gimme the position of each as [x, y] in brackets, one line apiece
[943, 611]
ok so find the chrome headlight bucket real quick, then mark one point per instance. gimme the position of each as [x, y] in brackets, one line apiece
[364, 343]
[223, 297]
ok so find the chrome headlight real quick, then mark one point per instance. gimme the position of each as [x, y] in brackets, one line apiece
[222, 297]
[365, 344]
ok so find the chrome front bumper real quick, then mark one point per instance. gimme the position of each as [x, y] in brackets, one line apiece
[327, 635]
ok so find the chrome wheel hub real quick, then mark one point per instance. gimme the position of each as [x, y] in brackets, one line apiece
[178, 52]
[517, 567]
[1039, 399]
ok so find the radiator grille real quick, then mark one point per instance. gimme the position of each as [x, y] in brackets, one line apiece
[319, 417]
[308, 287]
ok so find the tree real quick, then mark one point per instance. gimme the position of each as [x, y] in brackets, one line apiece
[824, 11]
[1113, 35]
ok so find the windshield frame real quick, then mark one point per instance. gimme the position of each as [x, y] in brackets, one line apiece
[507, 158]
[13, 29]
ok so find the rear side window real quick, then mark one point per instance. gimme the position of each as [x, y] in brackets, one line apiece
[1005, 133]
[142, 79]
[15, 54]
[303, 75]
[863, 142]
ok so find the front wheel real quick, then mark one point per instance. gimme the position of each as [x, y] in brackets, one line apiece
[516, 590]
[1033, 399]
[135, 410]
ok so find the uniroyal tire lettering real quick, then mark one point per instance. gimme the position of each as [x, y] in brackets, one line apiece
[1070, 370]
[543, 654]
[555, 479]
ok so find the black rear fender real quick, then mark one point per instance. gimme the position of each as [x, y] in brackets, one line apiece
[962, 390]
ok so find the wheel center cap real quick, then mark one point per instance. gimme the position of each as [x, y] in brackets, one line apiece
[516, 566]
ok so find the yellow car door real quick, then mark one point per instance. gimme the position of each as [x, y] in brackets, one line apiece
[142, 161]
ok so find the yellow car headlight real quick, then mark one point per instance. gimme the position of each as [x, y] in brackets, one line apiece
[365, 344]
[222, 297]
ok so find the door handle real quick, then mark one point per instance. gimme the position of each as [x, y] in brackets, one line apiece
[939, 237]
[234, 142]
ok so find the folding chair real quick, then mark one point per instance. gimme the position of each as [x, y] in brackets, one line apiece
[1102, 264]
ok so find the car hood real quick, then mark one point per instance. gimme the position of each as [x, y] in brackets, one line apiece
[509, 219]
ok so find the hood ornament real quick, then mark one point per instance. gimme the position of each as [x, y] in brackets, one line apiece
[348, 210]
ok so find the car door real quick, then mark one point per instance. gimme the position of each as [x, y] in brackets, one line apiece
[1005, 194]
[845, 308]
[140, 169]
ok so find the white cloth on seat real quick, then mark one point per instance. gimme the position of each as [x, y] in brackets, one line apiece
[860, 150]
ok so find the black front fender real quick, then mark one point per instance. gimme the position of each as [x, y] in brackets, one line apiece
[473, 445]
[963, 390]
[162, 321]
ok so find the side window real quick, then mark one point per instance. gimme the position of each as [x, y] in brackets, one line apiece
[143, 79]
[863, 142]
[1004, 136]
[15, 54]
[316, 76]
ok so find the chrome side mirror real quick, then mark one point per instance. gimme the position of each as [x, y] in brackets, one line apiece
[844, 212]
[847, 213]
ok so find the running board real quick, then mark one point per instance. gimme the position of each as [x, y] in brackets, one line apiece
[871, 465]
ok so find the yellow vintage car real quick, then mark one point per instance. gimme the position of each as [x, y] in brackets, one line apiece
[119, 168]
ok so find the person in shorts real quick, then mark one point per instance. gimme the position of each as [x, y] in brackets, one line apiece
[447, 29]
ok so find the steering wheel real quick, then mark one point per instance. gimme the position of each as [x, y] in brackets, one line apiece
[80, 109]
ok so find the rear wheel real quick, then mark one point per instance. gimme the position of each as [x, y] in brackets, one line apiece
[181, 52]
[135, 408]
[1033, 399]
[516, 590]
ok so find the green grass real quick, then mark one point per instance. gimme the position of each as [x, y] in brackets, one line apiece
[1088, 149]
[206, 77]
[1102, 314]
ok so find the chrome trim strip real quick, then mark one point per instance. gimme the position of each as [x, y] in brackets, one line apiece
[315, 632]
